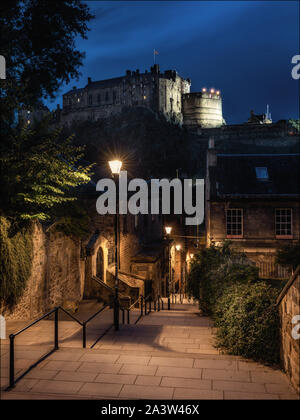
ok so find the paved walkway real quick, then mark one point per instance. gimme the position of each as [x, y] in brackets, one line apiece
[167, 355]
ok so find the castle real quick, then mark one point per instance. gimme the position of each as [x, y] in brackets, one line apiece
[166, 93]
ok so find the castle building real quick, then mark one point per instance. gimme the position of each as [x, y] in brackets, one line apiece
[165, 93]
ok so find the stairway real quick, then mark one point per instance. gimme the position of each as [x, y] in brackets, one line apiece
[167, 355]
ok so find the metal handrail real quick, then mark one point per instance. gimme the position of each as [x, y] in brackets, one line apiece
[12, 379]
[158, 303]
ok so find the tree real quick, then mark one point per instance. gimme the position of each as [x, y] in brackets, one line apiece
[295, 124]
[40, 173]
[38, 43]
[289, 255]
[38, 168]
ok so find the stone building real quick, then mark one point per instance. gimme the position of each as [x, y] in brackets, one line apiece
[166, 93]
[253, 200]
[160, 92]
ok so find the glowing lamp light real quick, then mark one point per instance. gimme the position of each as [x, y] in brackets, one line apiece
[192, 256]
[204, 90]
[178, 247]
[168, 230]
[218, 92]
[115, 166]
[212, 90]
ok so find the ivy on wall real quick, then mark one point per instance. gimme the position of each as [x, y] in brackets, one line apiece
[16, 252]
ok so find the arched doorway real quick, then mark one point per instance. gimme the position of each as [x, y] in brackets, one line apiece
[100, 264]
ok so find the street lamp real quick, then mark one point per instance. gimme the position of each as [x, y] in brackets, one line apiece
[178, 248]
[115, 167]
[168, 230]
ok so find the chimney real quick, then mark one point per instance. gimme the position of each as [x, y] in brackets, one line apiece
[89, 80]
[128, 73]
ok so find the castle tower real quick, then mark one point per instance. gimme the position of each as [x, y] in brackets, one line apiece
[203, 109]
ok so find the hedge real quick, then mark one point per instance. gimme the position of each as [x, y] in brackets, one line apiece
[248, 322]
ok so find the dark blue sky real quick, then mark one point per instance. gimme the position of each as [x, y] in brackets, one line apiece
[242, 48]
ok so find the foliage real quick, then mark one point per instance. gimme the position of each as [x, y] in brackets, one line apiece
[295, 124]
[215, 268]
[74, 220]
[248, 322]
[289, 255]
[16, 258]
[228, 288]
[229, 273]
[40, 172]
[38, 43]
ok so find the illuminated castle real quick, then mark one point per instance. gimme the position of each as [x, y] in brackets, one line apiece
[165, 93]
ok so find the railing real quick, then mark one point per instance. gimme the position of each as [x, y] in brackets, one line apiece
[12, 379]
[145, 305]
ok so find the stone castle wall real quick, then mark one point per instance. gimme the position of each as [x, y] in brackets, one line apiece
[56, 277]
[160, 92]
[289, 307]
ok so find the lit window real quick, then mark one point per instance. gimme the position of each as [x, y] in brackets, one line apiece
[234, 223]
[145, 97]
[78, 99]
[262, 173]
[28, 121]
[283, 223]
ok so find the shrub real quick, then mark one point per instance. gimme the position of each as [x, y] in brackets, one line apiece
[288, 255]
[248, 322]
[228, 274]
[15, 260]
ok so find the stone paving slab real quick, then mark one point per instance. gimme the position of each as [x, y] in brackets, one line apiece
[153, 363]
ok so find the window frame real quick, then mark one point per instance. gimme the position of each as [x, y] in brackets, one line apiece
[286, 236]
[233, 236]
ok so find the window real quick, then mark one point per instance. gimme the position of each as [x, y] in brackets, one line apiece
[234, 223]
[99, 98]
[262, 173]
[283, 223]
[90, 99]
[106, 96]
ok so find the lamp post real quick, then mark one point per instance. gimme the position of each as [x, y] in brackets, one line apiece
[178, 248]
[168, 230]
[115, 167]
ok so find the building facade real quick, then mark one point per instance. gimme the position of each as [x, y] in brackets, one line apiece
[253, 200]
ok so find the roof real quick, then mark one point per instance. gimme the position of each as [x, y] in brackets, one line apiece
[236, 175]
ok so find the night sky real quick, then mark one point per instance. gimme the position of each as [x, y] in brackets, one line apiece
[242, 48]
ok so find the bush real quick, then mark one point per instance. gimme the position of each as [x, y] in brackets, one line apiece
[214, 285]
[248, 322]
[215, 268]
[288, 255]
[15, 260]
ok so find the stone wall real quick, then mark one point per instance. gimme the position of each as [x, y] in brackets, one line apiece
[289, 307]
[56, 277]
